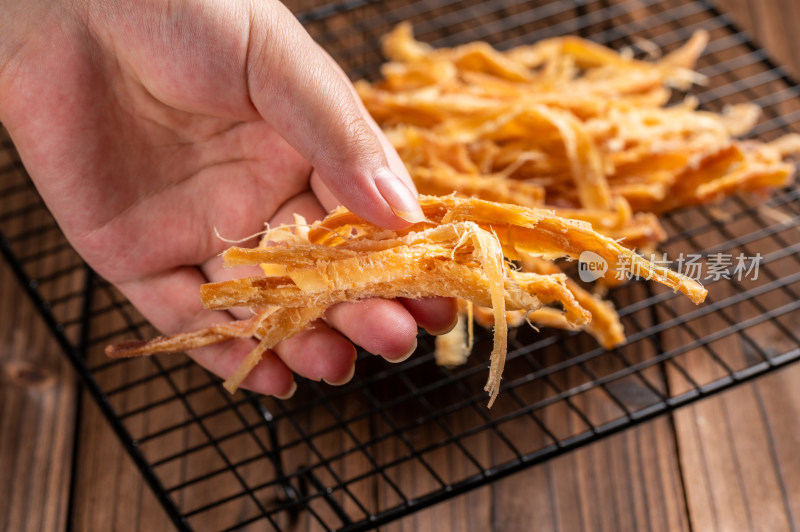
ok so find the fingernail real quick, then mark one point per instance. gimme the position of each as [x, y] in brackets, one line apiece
[288, 394]
[406, 356]
[402, 201]
[446, 329]
[346, 379]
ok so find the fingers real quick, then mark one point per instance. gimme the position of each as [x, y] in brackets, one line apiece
[270, 377]
[387, 328]
[437, 315]
[172, 303]
[380, 326]
[383, 327]
[323, 353]
[295, 87]
[319, 353]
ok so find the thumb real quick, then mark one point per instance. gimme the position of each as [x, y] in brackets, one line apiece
[299, 91]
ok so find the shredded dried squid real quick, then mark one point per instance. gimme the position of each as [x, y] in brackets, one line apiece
[461, 250]
[568, 124]
[573, 126]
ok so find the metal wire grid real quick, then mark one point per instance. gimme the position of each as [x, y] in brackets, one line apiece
[400, 438]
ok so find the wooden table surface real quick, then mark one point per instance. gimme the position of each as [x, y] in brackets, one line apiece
[730, 462]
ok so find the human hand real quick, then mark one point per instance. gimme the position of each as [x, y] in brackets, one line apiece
[146, 125]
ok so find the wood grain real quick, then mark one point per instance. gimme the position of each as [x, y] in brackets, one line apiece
[739, 453]
[110, 493]
[37, 417]
[772, 24]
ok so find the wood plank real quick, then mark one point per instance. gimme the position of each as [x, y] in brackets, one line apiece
[778, 400]
[109, 491]
[772, 24]
[735, 479]
[739, 451]
[338, 456]
[630, 481]
[37, 413]
[151, 407]
[734, 476]
[452, 456]
[37, 384]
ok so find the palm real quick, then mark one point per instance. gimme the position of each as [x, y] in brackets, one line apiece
[175, 185]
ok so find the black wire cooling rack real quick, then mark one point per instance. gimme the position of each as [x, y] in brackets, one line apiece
[342, 457]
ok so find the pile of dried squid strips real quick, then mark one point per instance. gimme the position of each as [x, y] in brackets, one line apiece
[530, 155]
[569, 125]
